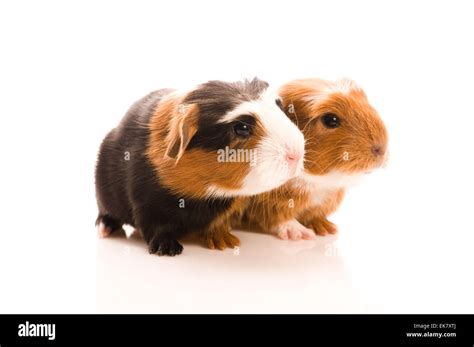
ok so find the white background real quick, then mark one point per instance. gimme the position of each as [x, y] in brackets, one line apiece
[70, 69]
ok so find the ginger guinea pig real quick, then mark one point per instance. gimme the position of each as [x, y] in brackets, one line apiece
[181, 162]
[345, 139]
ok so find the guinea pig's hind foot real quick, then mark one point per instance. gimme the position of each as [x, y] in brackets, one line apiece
[165, 246]
[293, 230]
[106, 225]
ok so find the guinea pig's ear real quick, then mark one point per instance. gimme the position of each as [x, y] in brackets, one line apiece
[182, 131]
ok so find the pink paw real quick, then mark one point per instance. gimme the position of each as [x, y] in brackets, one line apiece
[102, 230]
[293, 230]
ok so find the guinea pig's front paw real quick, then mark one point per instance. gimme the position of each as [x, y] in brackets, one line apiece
[222, 240]
[293, 230]
[322, 226]
[165, 246]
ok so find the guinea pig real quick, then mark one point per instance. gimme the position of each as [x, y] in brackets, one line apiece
[180, 162]
[345, 139]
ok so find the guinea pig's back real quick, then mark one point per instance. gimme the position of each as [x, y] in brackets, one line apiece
[122, 145]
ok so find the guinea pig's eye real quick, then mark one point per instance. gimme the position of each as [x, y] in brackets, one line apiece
[330, 120]
[242, 129]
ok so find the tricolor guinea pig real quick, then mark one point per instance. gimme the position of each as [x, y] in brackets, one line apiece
[345, 140]
[183, 161]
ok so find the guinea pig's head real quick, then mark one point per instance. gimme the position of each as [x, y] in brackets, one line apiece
[231, 139]
[344, 133]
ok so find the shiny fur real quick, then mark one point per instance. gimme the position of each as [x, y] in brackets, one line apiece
[334, 158]
[156, 168]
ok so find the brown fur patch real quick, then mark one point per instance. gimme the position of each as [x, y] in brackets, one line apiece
[347, 148]
[315, 217]
[193, 171]
[267, 210]
[182, 129]
[218, 235]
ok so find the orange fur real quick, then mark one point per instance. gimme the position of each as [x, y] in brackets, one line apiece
[315, 217]
[218, 234]
[325, 150]
[189, 172]
[346, 149]
[267, 210]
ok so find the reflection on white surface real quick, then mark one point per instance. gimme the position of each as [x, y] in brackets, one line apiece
[264, 275]
[397, 251]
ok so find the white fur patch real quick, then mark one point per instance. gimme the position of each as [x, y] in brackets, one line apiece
[129, 230]
[323, 89]
[281, 131]
[345, 85]
[332, 180]
[321, 186]
[271, 169]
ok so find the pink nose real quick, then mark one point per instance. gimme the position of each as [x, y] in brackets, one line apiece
[292, 157]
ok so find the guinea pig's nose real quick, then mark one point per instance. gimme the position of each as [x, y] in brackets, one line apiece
[293, 157]
[378, 150]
